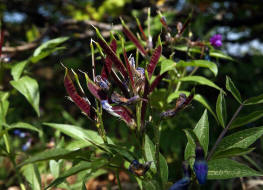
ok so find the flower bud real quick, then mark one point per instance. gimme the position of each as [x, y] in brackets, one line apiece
[200, 165]
[216, 40]
[183, 183]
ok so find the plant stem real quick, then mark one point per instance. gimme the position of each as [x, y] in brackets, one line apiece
[224, 132]
[157, 151]
[118, 180]
[193, 72]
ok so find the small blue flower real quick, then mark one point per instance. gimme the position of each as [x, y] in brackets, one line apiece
[22, 135]
[17, 132]
[216, 40]
[200, 166]
[182, 184]
[27, 145]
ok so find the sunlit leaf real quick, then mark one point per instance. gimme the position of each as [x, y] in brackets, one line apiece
[232, 152]
[230, 86]
[254, 100]
[23, 125]
[94, 165]
[31, 173]
[78, 133]
[200, 80]
[56, 154]
[221, 109]
[199, 63]
[243, 120]
[241, 139]
[29, 88]
[202, 131]
[226, 169]
[18, 68]
[167, 65]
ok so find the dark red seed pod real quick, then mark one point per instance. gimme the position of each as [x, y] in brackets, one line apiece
[129, 69]
[125, 115]
[156, 81]
[81, 102]
[106, 70]
[154, 60]
[113, 57]
[133, 38]
[95, 90]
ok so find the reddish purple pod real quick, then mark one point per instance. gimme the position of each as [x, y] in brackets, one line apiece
[95, 90]
[154, 60]
[106, 70]
[113, 57]
[125, 115]
[76, 98]
[133, 38]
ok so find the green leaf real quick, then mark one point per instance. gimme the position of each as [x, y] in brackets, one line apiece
[150, 156]
[150, 184]
[199, 63]
[78, 133]
[45, 53]
[212, 53]
[226, 169]
[122, 151]
[4, 95]
[230, 86]
[232, 152]
[94, 165]
[254, 100]
[4, 105]
[219, 54]
[18, 68]
[56, 154]
[23, 125]
[189, 152]
[200, 80]
[201, 131]
[163, 169]
[197, 97]
[241, 139]
[47, 48]
[29, 88]
[31, 173]
[150, 152]
[167, 65]
[243, 120]
[54, 168]
[221, 109]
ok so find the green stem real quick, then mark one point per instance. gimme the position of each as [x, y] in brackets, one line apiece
[99, 123]
[224, 132]
[118, 180]
[157, 151]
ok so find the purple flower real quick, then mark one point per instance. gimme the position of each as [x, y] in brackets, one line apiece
[200, 165]
[216, 40]
[182, 184]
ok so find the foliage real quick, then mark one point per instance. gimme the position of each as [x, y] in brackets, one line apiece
[143, 91]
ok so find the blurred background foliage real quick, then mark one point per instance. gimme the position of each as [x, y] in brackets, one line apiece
[29, 23]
